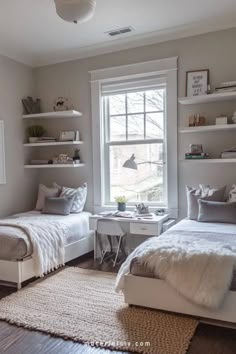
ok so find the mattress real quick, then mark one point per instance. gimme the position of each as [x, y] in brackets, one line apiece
[15, 245]
[137, 269]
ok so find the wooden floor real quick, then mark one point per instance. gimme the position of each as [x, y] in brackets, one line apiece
[207, 339]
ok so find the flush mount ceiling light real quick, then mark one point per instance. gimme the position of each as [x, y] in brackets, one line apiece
[76, 11]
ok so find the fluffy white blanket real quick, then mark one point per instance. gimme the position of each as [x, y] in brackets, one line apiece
[198, 268]
[47, 238]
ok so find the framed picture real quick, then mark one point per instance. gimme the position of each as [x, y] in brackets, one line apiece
[197, 82]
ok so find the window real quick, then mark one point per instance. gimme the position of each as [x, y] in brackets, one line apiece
[134, 114]
[134, 123]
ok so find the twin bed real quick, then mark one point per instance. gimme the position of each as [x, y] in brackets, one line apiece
[16, 249]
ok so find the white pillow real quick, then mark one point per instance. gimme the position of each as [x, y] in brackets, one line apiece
[79, 194]
[232, 194]
[44, 192]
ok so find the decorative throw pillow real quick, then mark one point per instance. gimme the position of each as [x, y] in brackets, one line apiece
[204, 192]
[232, 194]
[79, 194]
[44, 192]
[58, 205]
[217, 212]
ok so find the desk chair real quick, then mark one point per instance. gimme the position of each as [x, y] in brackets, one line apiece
[110, 229]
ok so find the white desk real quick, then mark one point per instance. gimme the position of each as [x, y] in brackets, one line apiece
[134, 226]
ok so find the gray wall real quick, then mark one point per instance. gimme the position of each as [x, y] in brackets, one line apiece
[18, 194]
[215, 51]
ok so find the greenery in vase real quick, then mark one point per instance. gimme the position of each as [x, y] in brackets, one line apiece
[121, 199]
[36, 131]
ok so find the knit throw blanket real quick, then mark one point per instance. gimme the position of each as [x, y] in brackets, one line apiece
[47, 238]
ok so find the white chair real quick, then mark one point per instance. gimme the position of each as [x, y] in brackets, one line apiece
[110, 229]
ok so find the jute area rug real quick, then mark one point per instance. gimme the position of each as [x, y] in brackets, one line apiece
[81, 305]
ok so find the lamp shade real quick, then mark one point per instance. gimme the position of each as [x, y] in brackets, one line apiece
[77, 11]
[131, 163]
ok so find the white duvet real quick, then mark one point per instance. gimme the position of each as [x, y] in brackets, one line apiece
[197, 259]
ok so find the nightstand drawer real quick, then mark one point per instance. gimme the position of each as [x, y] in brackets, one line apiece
[145, 229]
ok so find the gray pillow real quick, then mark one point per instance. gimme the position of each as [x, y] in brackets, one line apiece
[79, 194]
[204, 192]
[217, 212]
[58, 206]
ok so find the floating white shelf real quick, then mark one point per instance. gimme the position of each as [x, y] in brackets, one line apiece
[54, 143]
[209, 160]
[207, 128]
[55, 166]
[53, 115]
[212, 97]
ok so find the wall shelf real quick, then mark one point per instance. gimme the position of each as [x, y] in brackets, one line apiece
[54, 143]
[207, 128]
[209, 160]
[55, 166]
[212, 97]
[53, 115]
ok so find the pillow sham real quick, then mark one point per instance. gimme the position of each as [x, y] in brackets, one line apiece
[79, 194]
[205, 193]
[57, 205]
[44, 192]
[210, 211]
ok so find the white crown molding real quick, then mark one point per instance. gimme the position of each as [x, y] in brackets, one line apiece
[127, 42]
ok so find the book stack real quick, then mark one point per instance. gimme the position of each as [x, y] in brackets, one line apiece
[196, 156]
[229, 154]
[229, 86]
[46, 139]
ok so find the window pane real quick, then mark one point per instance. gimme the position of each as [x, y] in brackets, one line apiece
[154, 126]
[155, 100]
[135, 102]
[136, 126]
[146, 184]
[118, 128]
[117, 104]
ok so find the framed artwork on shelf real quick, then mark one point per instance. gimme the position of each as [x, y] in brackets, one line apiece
[197, 82]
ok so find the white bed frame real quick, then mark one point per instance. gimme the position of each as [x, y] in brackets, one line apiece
[157, 294]
[20, 271]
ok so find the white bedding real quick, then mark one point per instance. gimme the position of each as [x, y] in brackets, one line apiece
[197, 259]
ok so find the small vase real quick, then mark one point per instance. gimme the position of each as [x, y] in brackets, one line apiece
[121, 206]
[33, 139]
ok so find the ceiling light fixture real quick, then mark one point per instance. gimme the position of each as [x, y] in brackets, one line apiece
[77, 11]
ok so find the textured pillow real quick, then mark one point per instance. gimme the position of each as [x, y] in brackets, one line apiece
[232, 194]
[204, 192]
[79, 194]
[44, 192]
[58, 206]
[217, 212]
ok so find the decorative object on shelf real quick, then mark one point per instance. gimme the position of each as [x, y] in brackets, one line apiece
[40, 162]
[160, 212]
[229, 86]
[67, 136]
[35, 132]
[197, 82]
[31, 106]
[76, 157]
[121, 203]
[142, 209]
[196, 120]
[229, 153]
[234, 118]
[196, 152]
[47, 139]
[221, 120]
[75, 11]
[62, 104]
[63, 159]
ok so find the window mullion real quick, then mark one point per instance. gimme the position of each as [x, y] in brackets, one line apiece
[126, 115]
[144, 108]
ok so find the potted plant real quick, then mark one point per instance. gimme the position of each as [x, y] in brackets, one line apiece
[121, 203]
[35, 132]
[76, 157]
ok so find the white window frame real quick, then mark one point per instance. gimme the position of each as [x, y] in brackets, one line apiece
[147, 70]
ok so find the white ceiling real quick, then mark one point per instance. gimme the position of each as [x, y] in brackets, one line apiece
[31, 32]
